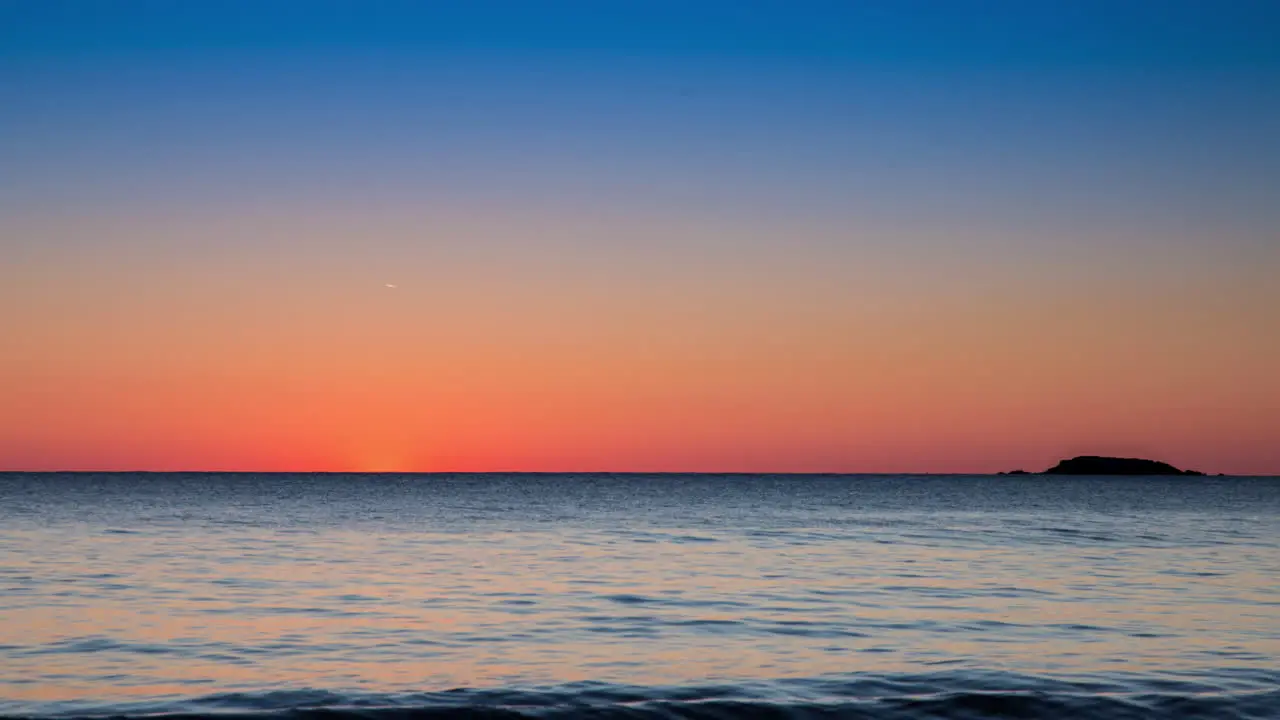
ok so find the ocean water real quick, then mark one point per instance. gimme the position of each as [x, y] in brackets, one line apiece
[638, 596]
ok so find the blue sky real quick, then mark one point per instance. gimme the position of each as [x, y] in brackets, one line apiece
[1126, 32]
[812, 87]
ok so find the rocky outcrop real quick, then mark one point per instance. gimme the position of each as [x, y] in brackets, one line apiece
[1096, 465]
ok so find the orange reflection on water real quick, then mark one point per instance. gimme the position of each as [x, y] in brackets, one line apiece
[408, 610]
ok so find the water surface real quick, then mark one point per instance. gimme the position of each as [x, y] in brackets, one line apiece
[698, 595]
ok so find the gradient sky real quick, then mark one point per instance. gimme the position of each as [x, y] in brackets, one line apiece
[917, 235]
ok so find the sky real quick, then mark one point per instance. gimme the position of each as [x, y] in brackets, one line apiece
[802, 236]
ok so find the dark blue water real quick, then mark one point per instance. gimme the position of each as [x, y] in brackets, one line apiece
[342, 596]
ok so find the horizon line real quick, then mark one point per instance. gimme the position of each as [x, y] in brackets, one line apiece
[589, 472]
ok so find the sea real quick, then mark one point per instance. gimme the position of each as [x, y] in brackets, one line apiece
[506, 596]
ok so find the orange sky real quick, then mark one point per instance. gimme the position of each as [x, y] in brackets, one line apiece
[822, 362]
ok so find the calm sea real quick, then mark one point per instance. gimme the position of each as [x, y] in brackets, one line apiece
[633, 596]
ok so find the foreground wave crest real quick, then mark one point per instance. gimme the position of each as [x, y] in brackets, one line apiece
[1252, 696]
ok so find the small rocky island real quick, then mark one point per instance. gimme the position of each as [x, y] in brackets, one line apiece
[1097, 465]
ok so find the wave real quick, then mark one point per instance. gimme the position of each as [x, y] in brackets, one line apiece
[981, 696]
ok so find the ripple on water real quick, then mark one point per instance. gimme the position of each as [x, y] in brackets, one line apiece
[624, 597]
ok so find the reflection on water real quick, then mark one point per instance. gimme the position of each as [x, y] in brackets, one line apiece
[120, 588]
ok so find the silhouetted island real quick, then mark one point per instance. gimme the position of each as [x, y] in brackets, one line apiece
[1096, 465]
